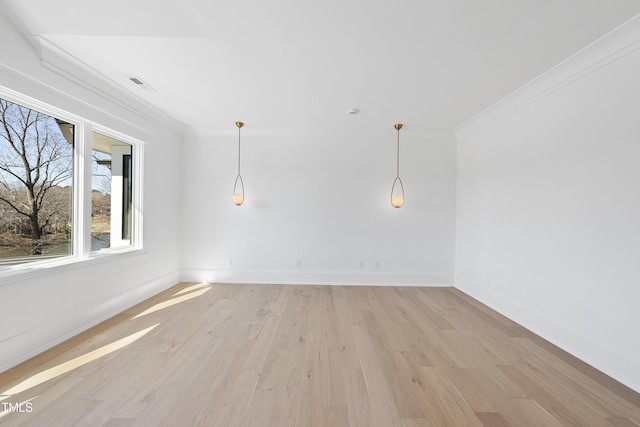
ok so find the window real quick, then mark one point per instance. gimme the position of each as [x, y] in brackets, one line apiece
[111, 192]
[36, 178]
[42, 190]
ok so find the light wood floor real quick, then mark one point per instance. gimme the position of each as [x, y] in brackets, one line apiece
[257, 355]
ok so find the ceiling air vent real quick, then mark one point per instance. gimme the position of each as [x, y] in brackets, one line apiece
[139, 82]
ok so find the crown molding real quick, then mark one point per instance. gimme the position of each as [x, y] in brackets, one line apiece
[65, 65]
[618, 43]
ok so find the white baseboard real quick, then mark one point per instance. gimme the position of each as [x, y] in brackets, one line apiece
[614, 362]
[304, 277]
[27, 344]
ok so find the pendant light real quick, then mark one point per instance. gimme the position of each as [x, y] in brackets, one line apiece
[397, 190]
[238, 191]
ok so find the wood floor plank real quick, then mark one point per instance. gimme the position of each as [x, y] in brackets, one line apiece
[622, 422]
[491, 419]
[310, 408]
[120, 422]
[414, 422]
[344, 332]
[451, 404]
[382, 398]
[74, 414]
[335, 416]
[313, 335]
[572, 381]
[472, 394]
[397, 372]
[330, 338]
[271, 355]
[234, 401]
[528, 413]
[495, 384]
[43, 398]
[359, 406]
[333, 394]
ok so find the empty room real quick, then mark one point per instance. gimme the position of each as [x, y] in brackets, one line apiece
[320, 213]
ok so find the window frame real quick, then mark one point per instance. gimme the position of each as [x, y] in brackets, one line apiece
[137, 154]
[81, 203]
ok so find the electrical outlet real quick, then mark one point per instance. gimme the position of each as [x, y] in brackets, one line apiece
[361, 265]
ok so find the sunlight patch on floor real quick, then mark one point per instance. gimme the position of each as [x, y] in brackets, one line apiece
[169, 303]
[72, 364]
[202, 285]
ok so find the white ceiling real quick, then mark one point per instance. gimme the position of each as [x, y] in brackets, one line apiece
[301, 65]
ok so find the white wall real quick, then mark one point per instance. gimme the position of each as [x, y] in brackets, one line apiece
[323, 201]
[548, 199]
[548, 206]
[41, 308]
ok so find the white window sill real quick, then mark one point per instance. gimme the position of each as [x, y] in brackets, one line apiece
[36, 269]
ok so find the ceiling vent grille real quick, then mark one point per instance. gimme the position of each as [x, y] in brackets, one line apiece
[139, 82]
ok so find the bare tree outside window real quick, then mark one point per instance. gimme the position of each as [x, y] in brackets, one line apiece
[36, 168]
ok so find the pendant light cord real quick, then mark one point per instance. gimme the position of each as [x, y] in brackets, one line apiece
[398, 157]
[238, 151]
